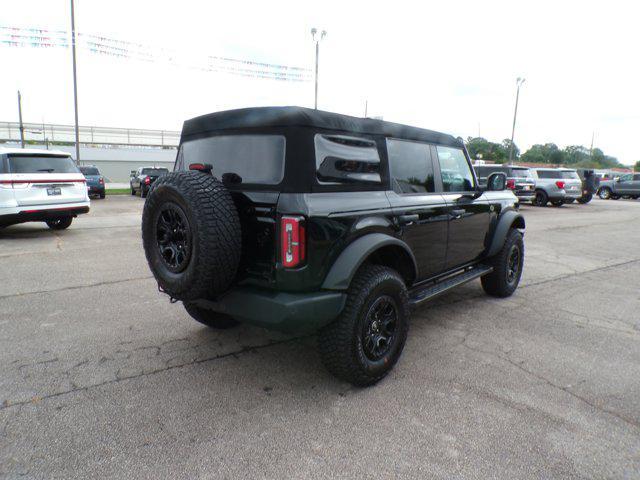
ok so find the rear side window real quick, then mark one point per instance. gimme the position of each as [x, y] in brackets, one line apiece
[41, 164]
[455, 170]
[553, 174]
[346, 160]
[569, 175]
[485, 171]
[411, 166]
[257, 159]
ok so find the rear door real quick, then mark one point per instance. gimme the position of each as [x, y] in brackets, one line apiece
[46, 180]
[417, 203]
[468, 216]
[626, 185]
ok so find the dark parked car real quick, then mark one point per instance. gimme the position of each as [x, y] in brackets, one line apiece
[519, 179]
[302, 220]
[95, 181]
[142, 179]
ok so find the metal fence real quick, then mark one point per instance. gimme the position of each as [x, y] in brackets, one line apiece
[65, 134]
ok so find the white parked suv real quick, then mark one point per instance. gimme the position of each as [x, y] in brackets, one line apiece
[40, 186]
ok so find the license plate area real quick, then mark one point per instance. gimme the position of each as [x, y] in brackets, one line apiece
[54, 191]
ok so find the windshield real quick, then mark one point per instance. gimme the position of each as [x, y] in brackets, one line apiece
[520, 173]
[570, 175]
[256, 159]
[155, 171]
[41, 164]
[89, 170]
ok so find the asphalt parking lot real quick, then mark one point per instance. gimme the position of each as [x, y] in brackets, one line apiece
[101, 377]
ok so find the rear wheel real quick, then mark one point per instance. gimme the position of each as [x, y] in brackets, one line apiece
[143, 192]
[103, 195]
[541, 199]
[366, 340]
[209, 317]
[59, 223]
[507, 267]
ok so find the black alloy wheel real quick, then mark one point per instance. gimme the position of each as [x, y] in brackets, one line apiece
[379, 328]
[174, 239]
[513, 264]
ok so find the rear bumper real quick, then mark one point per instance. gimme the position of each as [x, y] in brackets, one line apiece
[282, 311]
[10, 216]
[525, 196]
[94, 189]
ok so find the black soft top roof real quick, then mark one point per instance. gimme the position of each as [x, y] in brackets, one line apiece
[282, 117]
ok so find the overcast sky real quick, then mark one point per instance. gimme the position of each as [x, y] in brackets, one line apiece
[448, 65]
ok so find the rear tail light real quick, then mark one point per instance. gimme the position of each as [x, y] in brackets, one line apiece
[293, 239]
[101, 181]
[560, 184]
[147, 180]
[511, 184]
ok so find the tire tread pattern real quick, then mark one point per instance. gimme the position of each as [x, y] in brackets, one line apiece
[495, 283]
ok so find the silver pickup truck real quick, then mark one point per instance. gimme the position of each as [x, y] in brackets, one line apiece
[556, 185]
[626, 185]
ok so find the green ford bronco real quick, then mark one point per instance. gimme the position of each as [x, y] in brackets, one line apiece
[301, 220]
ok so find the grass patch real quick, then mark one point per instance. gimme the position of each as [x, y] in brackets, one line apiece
[118, 191]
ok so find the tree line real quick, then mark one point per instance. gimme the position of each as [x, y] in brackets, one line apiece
[577, 156]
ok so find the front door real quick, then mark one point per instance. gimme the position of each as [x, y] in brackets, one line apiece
[469, 215]
[419, 209]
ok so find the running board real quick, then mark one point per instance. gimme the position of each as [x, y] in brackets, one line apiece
[424, 293]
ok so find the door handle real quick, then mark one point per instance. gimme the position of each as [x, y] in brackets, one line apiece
[457, 213]
[405, 219]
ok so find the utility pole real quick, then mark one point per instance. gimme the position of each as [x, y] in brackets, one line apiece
[366, 107]
[519, 82]
[75, 82]
[593, 134]
[20, 119]
[323, 34]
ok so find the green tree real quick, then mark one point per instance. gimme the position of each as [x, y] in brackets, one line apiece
[636, 167]
[479, 147]
[547, 153]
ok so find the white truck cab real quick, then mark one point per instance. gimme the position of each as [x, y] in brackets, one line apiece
[40, 186]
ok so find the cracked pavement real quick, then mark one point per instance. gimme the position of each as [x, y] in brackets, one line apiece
[101, 377]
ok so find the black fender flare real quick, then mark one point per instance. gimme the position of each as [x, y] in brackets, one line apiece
[507, 219]
[352, 257]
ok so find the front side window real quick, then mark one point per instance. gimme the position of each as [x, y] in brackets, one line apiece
[626, 178]
[455, 170]
[342, 159]
[257, 159]
[41, 164]
[410, 166]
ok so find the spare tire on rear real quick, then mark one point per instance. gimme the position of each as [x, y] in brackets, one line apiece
[191, 235]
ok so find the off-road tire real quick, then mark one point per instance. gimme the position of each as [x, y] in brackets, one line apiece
[497, 283]
[341, 343]
[541, 199]
[605, 193]
[59, 223]
[209, 317]
[213, 229]
[585, 199]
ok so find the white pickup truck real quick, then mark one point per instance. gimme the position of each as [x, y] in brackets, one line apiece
[40, 186]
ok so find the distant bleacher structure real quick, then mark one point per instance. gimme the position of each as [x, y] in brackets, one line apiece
[56, 134]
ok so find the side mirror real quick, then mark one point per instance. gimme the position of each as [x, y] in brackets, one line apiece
[497, 182]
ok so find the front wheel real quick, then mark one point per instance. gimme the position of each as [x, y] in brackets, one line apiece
[209, 317]
[507, 267]
[604, 193]
[59, 223]
[366, 340]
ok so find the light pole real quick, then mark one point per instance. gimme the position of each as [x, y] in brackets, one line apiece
[323, 34]
[75, 82]
[20, 119]
[519, 82]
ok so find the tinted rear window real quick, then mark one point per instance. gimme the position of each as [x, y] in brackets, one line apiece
[485, 171]
[41, 164]
[89, 170]
[520, 173]
[155, 171]
[256, 159]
